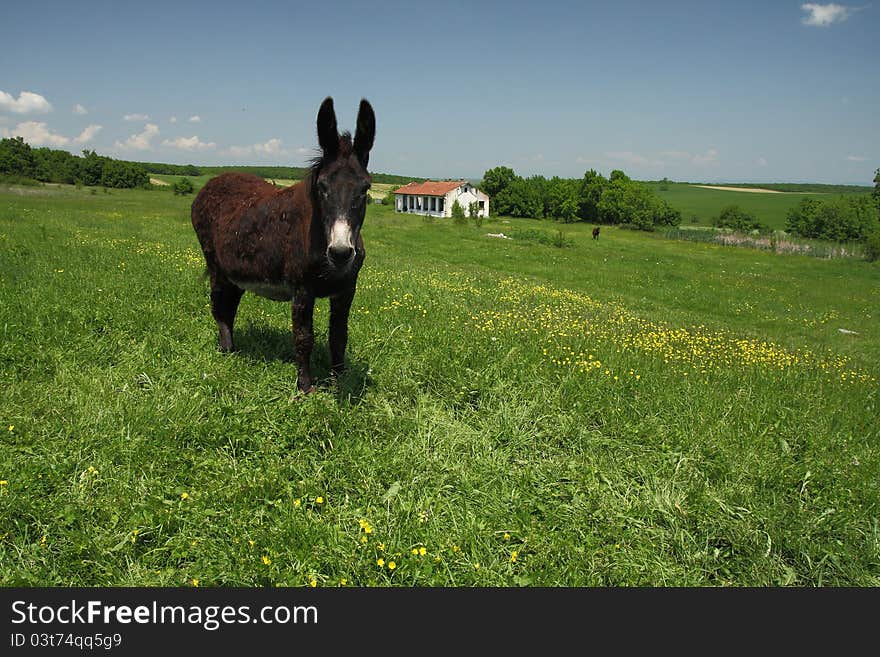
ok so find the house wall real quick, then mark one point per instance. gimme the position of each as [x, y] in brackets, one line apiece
[465, 199]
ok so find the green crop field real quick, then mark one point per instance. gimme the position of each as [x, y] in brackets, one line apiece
[627, 411]
[705, 204]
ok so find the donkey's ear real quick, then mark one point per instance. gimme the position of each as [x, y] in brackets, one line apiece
[328, 134]
[366, 132]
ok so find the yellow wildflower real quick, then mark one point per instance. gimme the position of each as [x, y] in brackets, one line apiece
[266, 560]
[391, 565]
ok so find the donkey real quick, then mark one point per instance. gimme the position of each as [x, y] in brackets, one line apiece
[292, 244]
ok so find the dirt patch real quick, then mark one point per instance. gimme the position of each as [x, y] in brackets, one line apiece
[156, 181]
[752, 190]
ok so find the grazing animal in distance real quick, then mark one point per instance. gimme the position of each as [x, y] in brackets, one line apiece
[596, 233]
[292, 244]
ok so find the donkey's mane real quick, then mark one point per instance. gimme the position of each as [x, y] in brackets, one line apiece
[317, 163]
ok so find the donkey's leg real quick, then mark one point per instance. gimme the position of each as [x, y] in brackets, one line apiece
[224, 304]
[339, 308]
[303, 337]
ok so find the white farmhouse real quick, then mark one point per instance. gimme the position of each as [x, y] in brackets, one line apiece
[435, 198]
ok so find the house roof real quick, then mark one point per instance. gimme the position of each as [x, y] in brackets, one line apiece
[430, 187]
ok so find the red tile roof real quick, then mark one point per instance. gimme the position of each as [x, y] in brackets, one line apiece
[430, 188]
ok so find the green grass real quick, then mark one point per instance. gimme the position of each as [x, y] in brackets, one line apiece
[728, 437]
[706, 204]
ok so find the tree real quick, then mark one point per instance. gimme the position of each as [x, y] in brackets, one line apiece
[591, 187]
[618, 176]
[520, 200]
[636, 205]
[876, 192]
[562, 200]
[497, 180]
[56, 166]
[90, 168]
[17, 158]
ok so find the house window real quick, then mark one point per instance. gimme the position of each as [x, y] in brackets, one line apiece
[440, 209]
[412, 202]
[482, 205]
[433, 204]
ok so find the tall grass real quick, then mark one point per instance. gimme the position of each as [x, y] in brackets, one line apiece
[777, 242]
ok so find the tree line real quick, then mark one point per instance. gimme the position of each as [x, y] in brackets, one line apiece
[594, 198]
[18, 160]
[263, 171]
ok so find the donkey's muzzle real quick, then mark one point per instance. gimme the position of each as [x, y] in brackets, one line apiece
[339, 254]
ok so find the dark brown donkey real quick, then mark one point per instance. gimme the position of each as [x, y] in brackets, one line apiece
[291, 244]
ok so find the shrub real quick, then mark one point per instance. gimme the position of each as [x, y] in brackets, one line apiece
[842, 219]
[182, 187]
[474, 213]
[872, 246]
[458, 216]
[736, 218]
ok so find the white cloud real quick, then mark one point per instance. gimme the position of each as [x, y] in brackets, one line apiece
[37, 134]
[173, 119]
[195, 119]
[79, 109]
[761, 162]
[632, 159]
[855, 158]
[271, 148]
[302, 151]
[824, 15]
[709, 157]
[140, 141]
[239, 151]
[189, 143]
[27, 103]
[136, 117]
[702, 159]
[88, 134]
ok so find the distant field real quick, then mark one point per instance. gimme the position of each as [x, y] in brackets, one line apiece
[378, 190]
[704, 204]
[628, 411]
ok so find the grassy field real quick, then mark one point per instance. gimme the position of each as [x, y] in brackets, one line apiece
[705, 204]
[627, 411]
[377, 190]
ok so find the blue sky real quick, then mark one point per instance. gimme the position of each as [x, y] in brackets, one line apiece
[698, 91]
